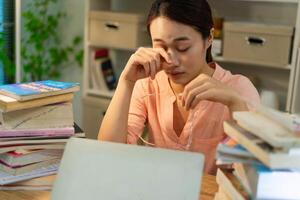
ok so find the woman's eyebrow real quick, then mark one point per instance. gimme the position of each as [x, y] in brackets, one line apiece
[183, 38]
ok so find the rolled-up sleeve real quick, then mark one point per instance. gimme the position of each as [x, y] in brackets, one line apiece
[250, 95]
[248, 92]
[137, 114]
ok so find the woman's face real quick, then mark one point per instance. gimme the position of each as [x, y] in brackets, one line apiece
[184, 44]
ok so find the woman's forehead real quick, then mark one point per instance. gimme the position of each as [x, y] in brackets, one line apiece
[165, 29]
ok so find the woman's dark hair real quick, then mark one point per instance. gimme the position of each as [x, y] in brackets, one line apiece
[195, 13]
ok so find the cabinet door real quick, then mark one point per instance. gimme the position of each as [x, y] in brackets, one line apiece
[296, 87]
[94, 109]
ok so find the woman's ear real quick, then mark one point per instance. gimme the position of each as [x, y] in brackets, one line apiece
[210, 38]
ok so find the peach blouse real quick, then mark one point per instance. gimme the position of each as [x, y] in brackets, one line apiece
[152, 104]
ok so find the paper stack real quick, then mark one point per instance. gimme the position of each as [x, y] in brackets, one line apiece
[36, 121]
[266, 161]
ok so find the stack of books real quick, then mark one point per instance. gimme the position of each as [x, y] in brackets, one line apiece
[265, 164]
[36, 121]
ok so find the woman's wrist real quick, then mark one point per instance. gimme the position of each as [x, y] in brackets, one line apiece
[237, 103]
[126, 82]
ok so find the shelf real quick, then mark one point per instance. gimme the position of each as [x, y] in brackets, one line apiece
[102, 93]
[94, 45]
[271, 1]
[222, 59]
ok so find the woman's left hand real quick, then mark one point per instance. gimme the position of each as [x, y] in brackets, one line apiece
[204, 87]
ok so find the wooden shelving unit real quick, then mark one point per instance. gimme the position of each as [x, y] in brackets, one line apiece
[283, 12]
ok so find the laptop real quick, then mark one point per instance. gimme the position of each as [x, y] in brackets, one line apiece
[92, 169]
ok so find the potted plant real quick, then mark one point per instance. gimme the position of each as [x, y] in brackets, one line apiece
[43, 56]
[6, 63]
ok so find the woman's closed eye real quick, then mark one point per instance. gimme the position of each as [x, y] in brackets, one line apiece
[182, 49]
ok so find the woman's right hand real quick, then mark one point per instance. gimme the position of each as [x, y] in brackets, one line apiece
[145, 62]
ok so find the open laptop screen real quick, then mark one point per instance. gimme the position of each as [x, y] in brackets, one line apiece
[92, 169]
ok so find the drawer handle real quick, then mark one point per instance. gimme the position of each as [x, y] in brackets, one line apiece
[255, 41]
[112, 26]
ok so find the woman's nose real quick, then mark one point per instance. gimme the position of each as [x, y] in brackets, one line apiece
[174, 59]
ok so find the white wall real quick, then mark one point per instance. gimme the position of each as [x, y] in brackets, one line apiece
[72, 26]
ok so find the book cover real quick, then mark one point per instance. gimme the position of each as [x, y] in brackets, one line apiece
[8, 104]
[273, 184]
[38, 89]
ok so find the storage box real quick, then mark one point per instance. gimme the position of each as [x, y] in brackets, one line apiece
[257, 43]
[118, 30]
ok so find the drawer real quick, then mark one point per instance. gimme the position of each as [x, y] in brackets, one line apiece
[257, 43]
[118, 30]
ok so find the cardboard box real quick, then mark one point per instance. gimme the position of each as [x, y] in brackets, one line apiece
[257, 43]
[118, 30]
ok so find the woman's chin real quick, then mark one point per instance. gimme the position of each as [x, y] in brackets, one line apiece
[178, 79]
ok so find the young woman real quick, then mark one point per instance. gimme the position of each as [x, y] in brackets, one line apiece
[175, 88]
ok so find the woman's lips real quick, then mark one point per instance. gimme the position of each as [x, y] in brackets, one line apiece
[175, 74]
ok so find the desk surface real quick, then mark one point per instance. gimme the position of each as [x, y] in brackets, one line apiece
[208, 190]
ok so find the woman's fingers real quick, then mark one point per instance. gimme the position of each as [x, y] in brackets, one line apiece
[153, 57]
[193, 95]
[142, 62]
[197, 82]
[157, 58]
[199, 97]
[164, 54]
[145, 62]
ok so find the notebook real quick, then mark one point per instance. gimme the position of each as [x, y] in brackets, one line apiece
[92, 169]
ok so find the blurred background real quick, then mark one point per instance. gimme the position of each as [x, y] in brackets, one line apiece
[90, 41]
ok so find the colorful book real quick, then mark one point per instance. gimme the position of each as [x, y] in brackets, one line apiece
[48, 116]
[275, 158]
[19, 147]
[60, 133]
[232, 154]
[25, 157]
[65, 131]
[38, 89]
[8, 104]
[40, 183]
[22, 169]
[273, 184]
[6, 178]
[267, 129]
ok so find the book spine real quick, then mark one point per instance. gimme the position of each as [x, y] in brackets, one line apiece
[68, 131]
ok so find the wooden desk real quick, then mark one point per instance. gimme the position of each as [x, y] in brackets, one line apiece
[208, 190]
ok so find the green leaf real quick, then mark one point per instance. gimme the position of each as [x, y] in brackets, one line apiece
[77, 40]
[41, 50]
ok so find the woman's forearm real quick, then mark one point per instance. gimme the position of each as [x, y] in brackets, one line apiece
[114, 123]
